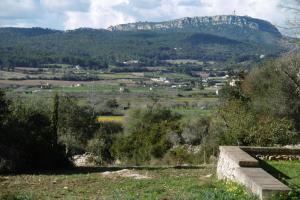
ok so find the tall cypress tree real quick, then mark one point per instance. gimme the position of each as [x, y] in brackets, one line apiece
[4, 107]
[55, 118]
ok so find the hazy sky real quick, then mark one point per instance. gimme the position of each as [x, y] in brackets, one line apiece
[71, 14]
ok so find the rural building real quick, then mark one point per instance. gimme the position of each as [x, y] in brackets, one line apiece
[202, 74]
[131, 62]
[160, 80]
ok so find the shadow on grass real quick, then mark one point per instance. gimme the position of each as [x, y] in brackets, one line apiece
[274, 172]
[282, 177]
[88, 170]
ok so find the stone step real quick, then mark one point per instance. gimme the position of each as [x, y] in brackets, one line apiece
[260, 182]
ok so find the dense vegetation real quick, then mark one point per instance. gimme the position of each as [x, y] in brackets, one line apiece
[98, 48]
[262, 109]
[28, 139]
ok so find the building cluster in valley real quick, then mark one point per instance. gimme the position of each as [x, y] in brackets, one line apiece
[202, 79]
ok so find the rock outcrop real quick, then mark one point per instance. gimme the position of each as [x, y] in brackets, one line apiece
[231, 26]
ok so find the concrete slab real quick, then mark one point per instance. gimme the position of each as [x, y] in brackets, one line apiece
[239, 156]
[237, 165]
[261, 182]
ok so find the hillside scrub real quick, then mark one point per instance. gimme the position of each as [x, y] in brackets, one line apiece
[145, 134]
[156, 135]
[263, 109]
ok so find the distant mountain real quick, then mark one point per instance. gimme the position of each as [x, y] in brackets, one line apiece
[231, 39]
[28, 32]
[230, 26]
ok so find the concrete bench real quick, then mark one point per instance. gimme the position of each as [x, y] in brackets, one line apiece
[260, 182]
[237, 165]
[240, 157]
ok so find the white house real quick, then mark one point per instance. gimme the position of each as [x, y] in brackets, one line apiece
[233, 82]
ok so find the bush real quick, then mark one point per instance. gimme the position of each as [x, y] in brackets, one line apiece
[145, 135]
[180, 155]
[106, 136]
[76, 125]
[28, 141]
[96, 147]
[73, 145]
[194, 130]
[28, 144]
[112, 103]
[245, 127]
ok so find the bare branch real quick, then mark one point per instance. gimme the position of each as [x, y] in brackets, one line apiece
[292, 8]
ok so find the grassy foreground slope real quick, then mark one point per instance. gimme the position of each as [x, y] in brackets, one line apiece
[152, 183]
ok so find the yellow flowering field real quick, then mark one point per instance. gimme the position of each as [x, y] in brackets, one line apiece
[110, 119]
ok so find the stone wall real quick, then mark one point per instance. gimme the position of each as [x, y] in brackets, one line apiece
[230, 160]
[273, 153]
[226, 168]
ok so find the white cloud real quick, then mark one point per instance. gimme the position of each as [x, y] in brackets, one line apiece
[172, 9]
[100, 15]
[268, 10]
[145, 4]
[66, 5]
[13, 9]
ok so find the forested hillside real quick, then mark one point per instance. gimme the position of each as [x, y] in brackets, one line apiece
[97, 48]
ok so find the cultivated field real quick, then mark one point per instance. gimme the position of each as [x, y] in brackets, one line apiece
[131, 90]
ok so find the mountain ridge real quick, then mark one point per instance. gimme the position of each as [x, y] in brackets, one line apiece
[214, 20]
[231, 26]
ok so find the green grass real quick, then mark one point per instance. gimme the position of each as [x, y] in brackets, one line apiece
[121, 75]
[289, 173]
[102, 88]
[164, 183]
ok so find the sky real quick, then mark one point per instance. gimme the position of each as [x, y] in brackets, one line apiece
[72, 14]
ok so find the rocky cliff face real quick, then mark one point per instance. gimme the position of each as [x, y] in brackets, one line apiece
[231, 26]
